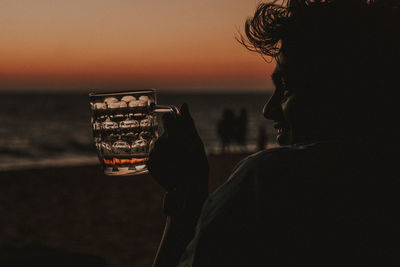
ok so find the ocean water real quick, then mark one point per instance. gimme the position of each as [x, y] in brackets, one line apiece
[41, 130]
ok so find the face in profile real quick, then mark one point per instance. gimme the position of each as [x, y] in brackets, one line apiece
[291, 122]
[278, 108]
[297, 117]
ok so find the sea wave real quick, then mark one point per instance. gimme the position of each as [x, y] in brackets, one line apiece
[43, 130]
[11, 163]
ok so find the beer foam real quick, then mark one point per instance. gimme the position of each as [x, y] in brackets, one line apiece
[142, 103]
[144, 98]
[133, 103]
[114, 105]
[128, 98]
[100, 105]
[110, 100]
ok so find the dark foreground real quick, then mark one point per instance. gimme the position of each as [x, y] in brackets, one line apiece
[76, 216]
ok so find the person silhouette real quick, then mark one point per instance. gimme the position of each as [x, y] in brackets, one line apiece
[328, 196]
[240, 133]
[226, 129]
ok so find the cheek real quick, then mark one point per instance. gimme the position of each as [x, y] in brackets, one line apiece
[301, 115]
[288, 109]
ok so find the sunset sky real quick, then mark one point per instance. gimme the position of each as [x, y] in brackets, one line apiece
[127, 44]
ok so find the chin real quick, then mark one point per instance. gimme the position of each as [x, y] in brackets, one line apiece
[283, 139]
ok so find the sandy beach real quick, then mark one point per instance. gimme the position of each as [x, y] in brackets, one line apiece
[79, 214]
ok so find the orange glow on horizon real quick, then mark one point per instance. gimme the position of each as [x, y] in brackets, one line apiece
[174, 44]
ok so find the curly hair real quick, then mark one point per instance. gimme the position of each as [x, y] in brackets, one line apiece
[265, 30]
[341, 57]
[329, 43]
[275, 27]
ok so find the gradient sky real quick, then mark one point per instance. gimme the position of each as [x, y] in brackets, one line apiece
[127, 44]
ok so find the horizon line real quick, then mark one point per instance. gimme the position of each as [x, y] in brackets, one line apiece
[161, 91]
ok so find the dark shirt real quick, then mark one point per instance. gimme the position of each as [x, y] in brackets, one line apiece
[320, 203]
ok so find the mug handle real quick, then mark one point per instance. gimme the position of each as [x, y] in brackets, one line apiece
[166, 108]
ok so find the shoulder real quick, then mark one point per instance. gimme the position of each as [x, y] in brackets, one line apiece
[268, 156]
[261, 166]
[257, 172]
[278, 161]
[229, 215]
[283, 153]
[263, 162]
[270, 166]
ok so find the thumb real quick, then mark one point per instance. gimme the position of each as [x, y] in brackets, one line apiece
[168, 121]
[185, 112]
[187, 119]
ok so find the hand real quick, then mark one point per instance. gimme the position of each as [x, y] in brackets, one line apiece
[178, 161]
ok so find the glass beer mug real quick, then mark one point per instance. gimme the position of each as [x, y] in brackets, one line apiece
[125, 127]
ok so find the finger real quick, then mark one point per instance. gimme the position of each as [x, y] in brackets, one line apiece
[155, 154]
[167, 120]
[187, 118]
[185, 112]
[158, 166]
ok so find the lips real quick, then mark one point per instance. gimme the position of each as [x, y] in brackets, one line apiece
[282, 132]
[281, 127]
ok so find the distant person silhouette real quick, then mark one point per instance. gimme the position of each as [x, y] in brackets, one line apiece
[241, 125]
[262, 138]
[329, 195]
[226, 129]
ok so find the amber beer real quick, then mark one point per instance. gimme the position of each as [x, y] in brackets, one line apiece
[125, 128]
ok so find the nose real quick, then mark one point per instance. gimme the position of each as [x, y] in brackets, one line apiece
[272, 109]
